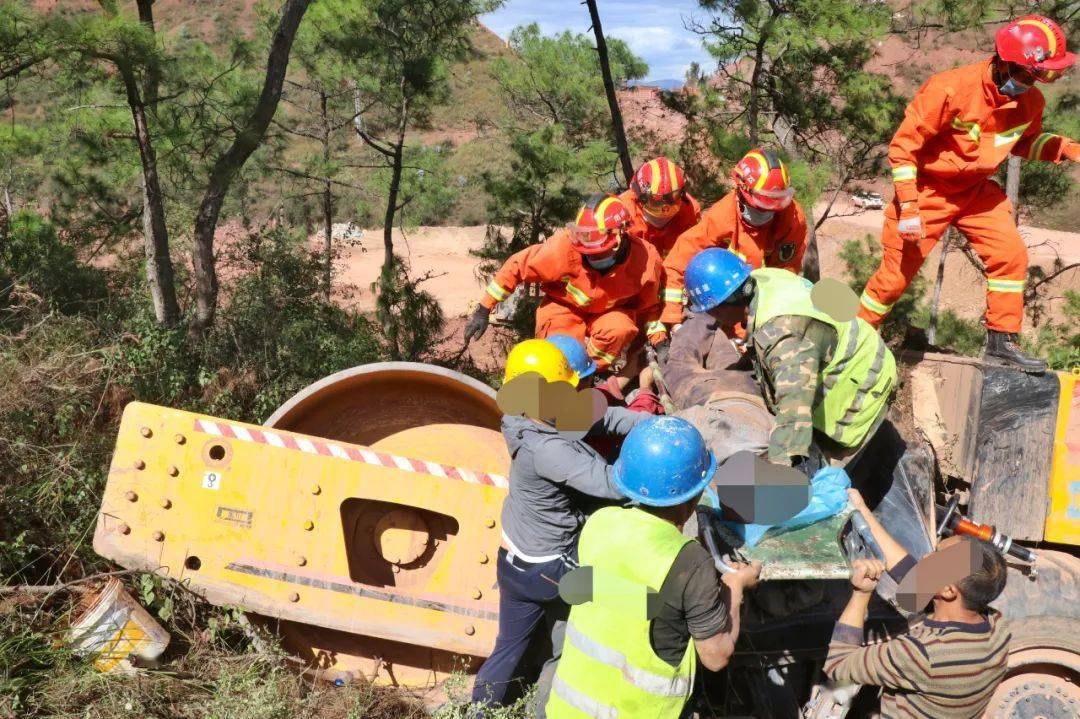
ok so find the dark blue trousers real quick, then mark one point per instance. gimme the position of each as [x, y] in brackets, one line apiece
[528, 598]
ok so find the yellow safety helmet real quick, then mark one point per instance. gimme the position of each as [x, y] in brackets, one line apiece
[542, 357]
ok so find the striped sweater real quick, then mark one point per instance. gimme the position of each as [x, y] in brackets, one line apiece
[938, 670]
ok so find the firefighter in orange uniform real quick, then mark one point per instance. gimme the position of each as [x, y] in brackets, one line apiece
[758, 221]
[600, 283]
[960, 126]
[660, 207]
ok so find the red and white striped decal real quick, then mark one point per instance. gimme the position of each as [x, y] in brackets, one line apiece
[347, 452]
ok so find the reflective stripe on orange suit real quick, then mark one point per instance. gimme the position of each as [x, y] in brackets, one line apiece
[578, 299]
[662, 238]
[779, 243]
[956, 132]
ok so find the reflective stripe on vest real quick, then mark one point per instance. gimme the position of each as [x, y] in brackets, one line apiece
[581, 701]
[861, 394]
[644, 680]
[855, 385]
[608, 666]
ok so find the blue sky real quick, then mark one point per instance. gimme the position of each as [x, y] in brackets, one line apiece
[653, 28]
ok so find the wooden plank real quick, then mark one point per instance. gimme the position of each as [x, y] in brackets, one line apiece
[1013, 451]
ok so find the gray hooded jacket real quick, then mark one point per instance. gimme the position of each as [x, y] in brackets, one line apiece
[540, 517]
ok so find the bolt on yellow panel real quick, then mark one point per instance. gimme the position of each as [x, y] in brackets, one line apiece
[296, 527]
[1063, 521]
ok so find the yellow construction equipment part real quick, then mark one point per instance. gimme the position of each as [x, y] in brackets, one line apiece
[374, 542]
[1063, 520]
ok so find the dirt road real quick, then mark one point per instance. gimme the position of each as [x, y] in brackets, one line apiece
[444, 252]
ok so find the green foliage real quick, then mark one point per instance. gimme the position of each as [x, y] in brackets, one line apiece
[558, 81]
[1044, 185]
[458, 707]
[861, 260]
[794, 74]
[559, 136]
[410, 319]
[68, 377]
[35, 258]
[429, 191]
[1060, 342]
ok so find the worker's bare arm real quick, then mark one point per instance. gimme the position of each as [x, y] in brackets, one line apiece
[892, 549]
[715, 652]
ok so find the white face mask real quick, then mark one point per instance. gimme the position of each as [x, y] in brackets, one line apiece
[756, 217]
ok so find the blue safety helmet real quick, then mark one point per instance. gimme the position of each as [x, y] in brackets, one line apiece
[575, 354]
[664, 461]
[712, 276]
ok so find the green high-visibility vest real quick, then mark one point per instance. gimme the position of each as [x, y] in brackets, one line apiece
[860, 377]
[608, 667]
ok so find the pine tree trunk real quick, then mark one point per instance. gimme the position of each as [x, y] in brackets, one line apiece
[811, 266]
[159, 269]
[328, 201]
[396, 158]
[617, 127]
[248, 138]
[1012, 185]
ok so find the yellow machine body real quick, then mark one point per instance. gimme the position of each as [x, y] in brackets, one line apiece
[376, 559]
[1063, 520]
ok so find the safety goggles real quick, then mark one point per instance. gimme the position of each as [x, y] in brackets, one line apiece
[1030, 75]
[771, 199]
[665, 208]
[593, 242]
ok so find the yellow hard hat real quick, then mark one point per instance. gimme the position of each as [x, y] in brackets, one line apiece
[542, 357]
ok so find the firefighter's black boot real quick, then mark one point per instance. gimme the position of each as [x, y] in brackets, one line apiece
[1002, 346]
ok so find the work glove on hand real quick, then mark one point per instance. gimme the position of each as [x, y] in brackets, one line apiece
[910, 225]
[477, 324]
[1071, 150]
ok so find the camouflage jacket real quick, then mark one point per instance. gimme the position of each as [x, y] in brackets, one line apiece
[789, 352]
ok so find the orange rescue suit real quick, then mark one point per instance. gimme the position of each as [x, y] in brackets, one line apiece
[781, 242]
[662, 238]
[602, 309]
[956, 132]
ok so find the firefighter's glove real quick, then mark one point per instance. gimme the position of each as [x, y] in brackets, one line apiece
[1071, 150]
[477, 324]
[662, 348]
[910, 225]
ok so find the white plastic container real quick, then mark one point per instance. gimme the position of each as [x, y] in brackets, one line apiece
[114, 627]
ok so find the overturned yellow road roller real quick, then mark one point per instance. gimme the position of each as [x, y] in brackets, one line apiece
[361, 522]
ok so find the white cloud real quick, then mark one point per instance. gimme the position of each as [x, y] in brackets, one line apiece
[653, 30]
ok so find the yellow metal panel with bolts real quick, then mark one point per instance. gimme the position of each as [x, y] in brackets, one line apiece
[316, 531]
[1063, 521]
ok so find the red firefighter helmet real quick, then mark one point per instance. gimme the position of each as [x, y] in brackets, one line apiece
[1037, 44]
[660, 186]
[599, 224]
[763, 181]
